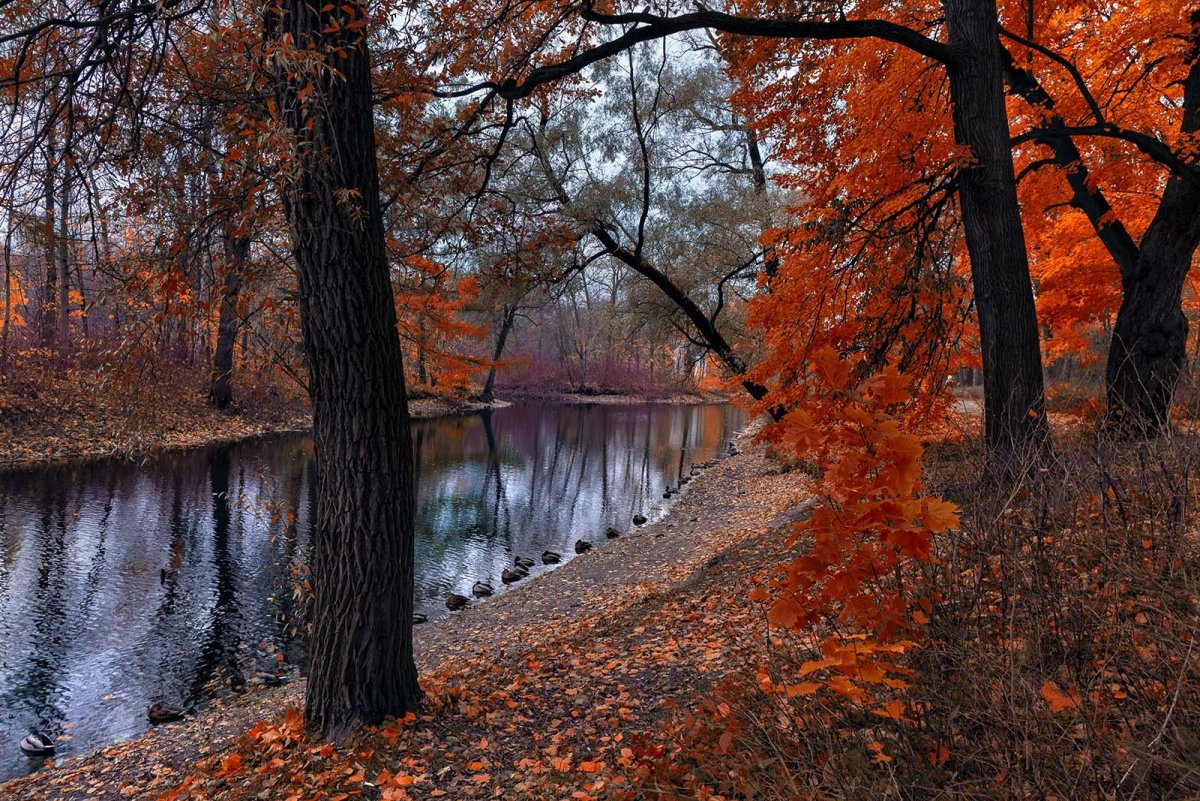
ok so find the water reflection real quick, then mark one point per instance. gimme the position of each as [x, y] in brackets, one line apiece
[122, 585]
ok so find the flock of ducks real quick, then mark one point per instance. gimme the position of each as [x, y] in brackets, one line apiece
[38, 745]
[522, 564]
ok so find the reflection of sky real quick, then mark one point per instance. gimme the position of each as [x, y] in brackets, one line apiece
[92, 633]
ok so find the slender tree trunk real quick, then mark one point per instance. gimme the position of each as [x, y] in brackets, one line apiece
[63, 241]
[8, 232]
[46, 322]
[220, 391]
[1014, 410]
[361, 659]
[506, 324]
[1148, 351]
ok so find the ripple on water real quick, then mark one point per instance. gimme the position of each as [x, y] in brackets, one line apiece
[122, 585]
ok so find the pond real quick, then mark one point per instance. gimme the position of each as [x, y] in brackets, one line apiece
[124, 585]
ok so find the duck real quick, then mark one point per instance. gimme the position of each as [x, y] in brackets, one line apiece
[611, 533]
[523, 561]
[668, 493]
[165, 713]
[482, 589]
[511, 576]
[551, 558]
[419, 618]
[36, 744]
[266, 678]
[454, 601]
[582, 546]
[639, 520]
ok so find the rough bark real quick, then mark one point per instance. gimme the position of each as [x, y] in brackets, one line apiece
[361, 659]
[1014, 411]
[220, 391]
[1148, 351]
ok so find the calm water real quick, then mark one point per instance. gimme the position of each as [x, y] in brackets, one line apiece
[122, 585]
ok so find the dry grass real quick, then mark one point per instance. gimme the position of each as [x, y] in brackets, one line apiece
[1061, 659]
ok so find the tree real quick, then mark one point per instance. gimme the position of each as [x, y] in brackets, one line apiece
[361, 667]
[1122, 138]
[1014, 404]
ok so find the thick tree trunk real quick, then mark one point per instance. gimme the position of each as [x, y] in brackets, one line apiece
[1014, 411]
[506, 324]
[1149, 344]
[361, 665]
[220, 391]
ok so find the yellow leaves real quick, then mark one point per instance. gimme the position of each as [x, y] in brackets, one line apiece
[1058, 700]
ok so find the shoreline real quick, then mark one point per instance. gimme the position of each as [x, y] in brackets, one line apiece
[118, 440]
[700, 530]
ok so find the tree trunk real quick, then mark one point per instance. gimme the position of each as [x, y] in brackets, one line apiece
[46, 317]
[361, 666]
[1014, 410]
[1149, 343]
[8, 233]
[220, 391]
[64, 252]
[506, 324]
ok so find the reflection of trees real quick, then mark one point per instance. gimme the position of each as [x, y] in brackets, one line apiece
[521, 480]
[39, 690]
[219, 647]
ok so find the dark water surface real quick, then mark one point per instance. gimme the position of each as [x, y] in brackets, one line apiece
[122, 585]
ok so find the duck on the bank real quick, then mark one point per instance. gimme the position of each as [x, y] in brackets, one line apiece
[419, 618]
[523, 561]
[551, 558]
[481, 589]
[454, 602]
[582, 546]
[266, 678]
[165, 713]
[36, 744]
[611, 533]
[639, 520]
[668, 493]
[511, 576]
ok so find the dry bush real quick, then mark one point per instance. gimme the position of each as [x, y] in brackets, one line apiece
[1061, 659]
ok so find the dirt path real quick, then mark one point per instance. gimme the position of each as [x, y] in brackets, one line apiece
[618, 583]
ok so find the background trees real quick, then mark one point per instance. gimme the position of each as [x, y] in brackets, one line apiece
[614, 192]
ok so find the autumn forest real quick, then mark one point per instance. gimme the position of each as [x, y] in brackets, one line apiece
[581, 399]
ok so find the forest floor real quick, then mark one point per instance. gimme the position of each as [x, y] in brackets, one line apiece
[545, 692]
